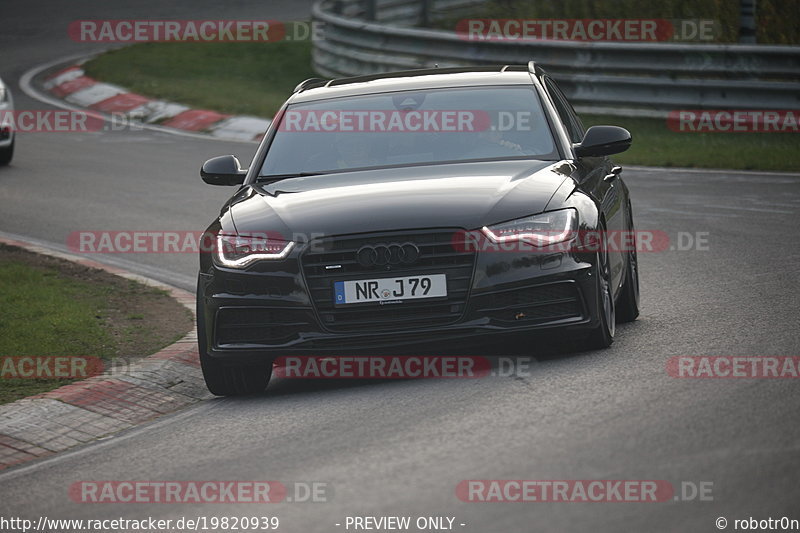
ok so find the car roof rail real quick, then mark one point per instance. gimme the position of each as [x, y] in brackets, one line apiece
[307, 84]
[406, 74]
[534, 68]
[312, 83]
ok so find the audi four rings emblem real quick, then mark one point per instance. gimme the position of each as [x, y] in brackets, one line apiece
[387, 254]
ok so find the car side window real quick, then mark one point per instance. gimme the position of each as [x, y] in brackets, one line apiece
[568, 116]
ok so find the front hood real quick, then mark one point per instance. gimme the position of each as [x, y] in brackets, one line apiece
[464, 195]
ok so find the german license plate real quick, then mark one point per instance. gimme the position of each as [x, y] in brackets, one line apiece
[390, 289]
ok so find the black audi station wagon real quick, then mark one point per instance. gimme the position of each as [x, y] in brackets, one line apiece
[413, 210]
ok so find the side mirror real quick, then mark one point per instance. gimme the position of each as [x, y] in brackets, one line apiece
[223, 170]
[603, 140]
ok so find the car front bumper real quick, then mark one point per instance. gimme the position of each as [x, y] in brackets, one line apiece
[268, 311]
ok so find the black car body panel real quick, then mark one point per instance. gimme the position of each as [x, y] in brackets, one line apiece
[465, 195]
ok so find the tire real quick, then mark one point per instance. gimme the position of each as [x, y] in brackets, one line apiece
[227, 379]
[628, 302]
[603, 335]
[7, 153]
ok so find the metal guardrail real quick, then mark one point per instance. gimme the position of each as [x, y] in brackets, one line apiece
[618, 78]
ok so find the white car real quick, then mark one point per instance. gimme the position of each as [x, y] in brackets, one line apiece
[6, 122]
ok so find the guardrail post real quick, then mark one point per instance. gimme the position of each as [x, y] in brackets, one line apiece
[369, 9]
[747, 21]
[424, 12]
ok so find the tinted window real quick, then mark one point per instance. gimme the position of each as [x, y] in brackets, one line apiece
[410, 127]
[566, 112]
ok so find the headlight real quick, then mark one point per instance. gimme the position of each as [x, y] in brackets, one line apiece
[538, 230]
[238, 251]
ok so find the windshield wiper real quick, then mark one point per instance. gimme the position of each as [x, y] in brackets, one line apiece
[278, 177]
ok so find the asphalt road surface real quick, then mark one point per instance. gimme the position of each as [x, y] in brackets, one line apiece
[400, 448]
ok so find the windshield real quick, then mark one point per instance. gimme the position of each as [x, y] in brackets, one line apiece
[410, 128]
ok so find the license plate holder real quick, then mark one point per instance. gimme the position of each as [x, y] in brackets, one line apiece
[386, 290]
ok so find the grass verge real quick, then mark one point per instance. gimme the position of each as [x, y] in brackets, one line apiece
[236, 78]
[654, 144]
[51, 307]
[255, 79]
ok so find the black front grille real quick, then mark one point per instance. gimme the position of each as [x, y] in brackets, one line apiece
[438, 255]
[532, 304]
[260, 325]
